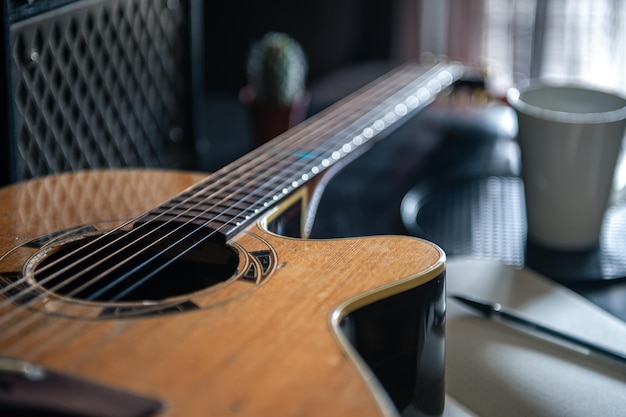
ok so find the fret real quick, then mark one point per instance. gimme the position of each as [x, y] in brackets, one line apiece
[203, 213]
[235, 206]
[198, 214]
[212, 222]
[227, 211]
[205, 206]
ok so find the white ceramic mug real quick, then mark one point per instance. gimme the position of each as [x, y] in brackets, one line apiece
[570, 138]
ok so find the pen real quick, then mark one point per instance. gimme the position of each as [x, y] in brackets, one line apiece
[491, 310]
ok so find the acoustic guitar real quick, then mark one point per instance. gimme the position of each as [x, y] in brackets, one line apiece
[134, 293]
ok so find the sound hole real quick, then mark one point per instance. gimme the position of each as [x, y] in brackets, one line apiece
[127, 266]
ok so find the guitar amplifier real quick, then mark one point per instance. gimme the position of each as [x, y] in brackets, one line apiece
[96, 83]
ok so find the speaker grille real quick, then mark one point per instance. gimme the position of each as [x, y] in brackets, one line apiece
[100, 84]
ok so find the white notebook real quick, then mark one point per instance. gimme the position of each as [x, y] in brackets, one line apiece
[494, 370]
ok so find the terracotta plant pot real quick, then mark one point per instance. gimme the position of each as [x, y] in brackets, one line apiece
[268, 121]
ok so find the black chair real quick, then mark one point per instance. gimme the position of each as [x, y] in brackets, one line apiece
[98, 84]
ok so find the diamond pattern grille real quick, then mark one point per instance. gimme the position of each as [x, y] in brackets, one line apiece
[100, 84]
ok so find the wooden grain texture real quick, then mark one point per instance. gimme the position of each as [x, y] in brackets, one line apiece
[272, 351]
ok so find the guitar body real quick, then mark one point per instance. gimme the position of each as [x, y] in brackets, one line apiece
[136, 293]
[301, 328]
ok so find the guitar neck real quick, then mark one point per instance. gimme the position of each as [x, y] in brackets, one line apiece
[250, 186]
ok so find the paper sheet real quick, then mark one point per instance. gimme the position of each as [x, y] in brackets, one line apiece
[493, 370]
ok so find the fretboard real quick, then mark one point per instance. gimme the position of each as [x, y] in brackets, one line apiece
[242, 191]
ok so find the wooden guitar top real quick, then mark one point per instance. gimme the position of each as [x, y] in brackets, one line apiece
[260, 346]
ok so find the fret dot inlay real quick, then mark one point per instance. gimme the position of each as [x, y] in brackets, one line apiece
[401, 109]
[423, 94]
[434, 86]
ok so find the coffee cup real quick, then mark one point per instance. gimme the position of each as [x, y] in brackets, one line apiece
[570, 137]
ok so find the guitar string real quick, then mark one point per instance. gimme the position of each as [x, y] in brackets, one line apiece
[215, 180]
[146, 277]
[272, 175]
[212, 178]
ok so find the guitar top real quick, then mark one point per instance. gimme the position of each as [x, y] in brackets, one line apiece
[139, 292]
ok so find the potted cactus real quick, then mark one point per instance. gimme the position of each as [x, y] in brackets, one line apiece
[276, 92]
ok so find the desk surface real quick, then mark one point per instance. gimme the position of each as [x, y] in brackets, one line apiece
[494, 369]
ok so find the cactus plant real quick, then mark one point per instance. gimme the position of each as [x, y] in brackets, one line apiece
[276, 95]
[277, 69]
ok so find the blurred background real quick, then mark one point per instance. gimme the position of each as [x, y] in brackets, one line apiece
[506, 40]
[82, 66]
